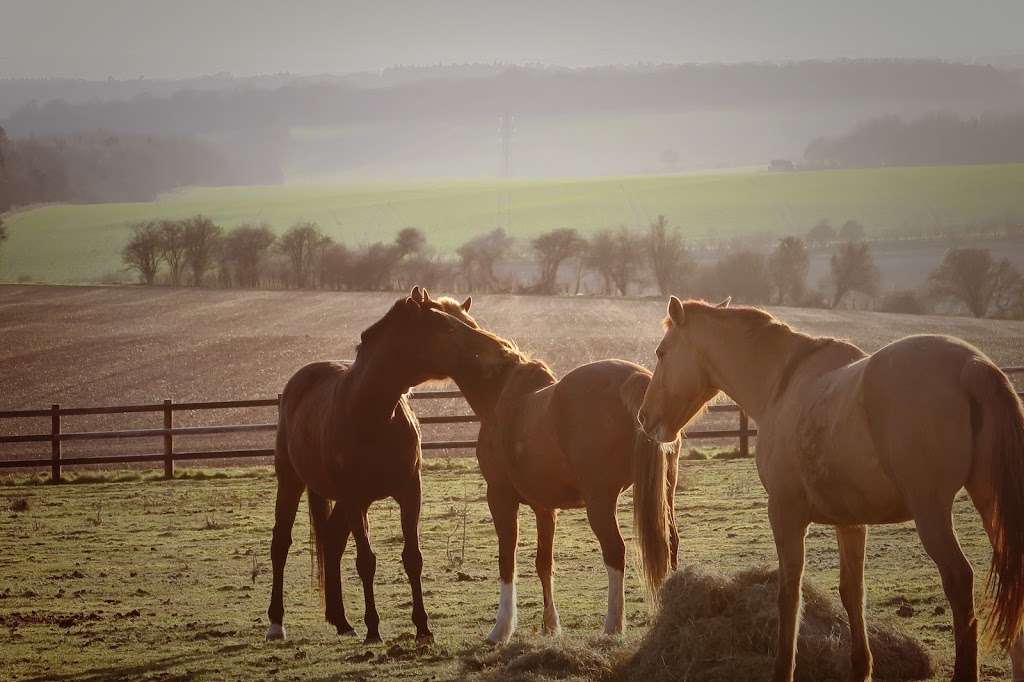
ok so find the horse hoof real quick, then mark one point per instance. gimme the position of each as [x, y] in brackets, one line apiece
[350, 632]
[372, 639]
[275, 632]
[425, 638]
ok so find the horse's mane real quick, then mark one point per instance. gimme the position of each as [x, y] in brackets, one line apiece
[762, 327]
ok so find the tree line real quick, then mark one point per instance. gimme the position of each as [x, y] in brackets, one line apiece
[106, 167]
[526, 91]
[933, 139]
[614, 261]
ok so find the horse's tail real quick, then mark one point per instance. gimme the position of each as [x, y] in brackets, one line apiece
[999, 451]
[319, 511]
[651, 506]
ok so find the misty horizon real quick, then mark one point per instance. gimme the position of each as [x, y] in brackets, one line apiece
[115, 39]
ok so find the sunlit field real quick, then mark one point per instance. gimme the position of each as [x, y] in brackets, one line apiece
[171, 580]
[132, 577]
[81, 243]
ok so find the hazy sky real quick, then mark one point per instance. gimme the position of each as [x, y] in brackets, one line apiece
[162, 38]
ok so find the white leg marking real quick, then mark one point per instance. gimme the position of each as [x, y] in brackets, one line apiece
[275, 631]
[613, 620]
[552, 624]
[506, 622]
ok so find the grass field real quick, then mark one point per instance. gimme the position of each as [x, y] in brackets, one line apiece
[80, 243]
[146, 579]
[156, 580]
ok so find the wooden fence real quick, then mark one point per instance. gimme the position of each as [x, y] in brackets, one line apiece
[56, 436]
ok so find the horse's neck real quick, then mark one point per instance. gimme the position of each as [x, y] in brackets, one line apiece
[483, 388]
[749, 370]
[370, 397]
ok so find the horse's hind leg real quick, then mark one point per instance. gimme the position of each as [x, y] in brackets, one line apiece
[334, 547]
[289, 492]
[935, 528]
[366, 565]
[412, 558]
[601, 514]
[545, 566]
[851, 589]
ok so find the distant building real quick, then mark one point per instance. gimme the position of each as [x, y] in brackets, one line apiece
[782, 165]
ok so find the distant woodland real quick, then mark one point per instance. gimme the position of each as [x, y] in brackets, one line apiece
[101, 141]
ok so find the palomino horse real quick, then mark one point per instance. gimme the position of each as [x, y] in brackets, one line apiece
[849, 439]
[346, 433]
[564, 444]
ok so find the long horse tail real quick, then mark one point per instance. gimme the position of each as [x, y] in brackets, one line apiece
[319, 511]
[999, 451]
[651, 506]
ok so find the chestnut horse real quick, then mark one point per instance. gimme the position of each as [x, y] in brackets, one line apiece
[346, 433]
[564, 444]
[849, 439]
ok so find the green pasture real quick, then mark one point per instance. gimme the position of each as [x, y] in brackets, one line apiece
[135, 578]
[81, 243]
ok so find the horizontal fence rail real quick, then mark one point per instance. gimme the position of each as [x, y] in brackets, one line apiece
[56, 461]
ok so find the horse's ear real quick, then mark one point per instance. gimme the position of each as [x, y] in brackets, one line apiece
[467, 304]
[725, 303]
[416, 294]
[675, 311]
[426, 296]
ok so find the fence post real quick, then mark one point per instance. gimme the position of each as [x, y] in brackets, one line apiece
[55, 444]
[168, 440]
[744, 437]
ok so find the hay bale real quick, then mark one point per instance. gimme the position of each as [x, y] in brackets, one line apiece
[715, 627]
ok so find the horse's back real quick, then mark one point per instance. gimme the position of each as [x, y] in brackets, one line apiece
[594, 419]
[302, 433]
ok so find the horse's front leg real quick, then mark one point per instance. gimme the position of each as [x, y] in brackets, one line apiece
[412, 558]
[789, 526]
[366, 565]
[504, 506]
[545, 566]
[852, 540]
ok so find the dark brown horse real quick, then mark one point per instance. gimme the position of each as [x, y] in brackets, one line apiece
[346, 434]
[563, 444]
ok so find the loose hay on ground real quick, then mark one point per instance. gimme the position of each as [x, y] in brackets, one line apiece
[711, 627]
[538, 659]
[715, 627]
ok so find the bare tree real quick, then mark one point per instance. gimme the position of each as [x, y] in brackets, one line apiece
[788, 265]
[302, 244]
[974, 278]
[743, 275]
[410, 242]
[202, 239]
[479, 257]
[142, 252]
[852, 268]
[372, 268]
[822, 234]
[852, 231]
[245, 249]
[666, 251]
[552, 249]
[334, 265]
[173, 248]
[614, 254]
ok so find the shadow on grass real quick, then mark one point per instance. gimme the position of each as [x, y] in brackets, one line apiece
[133, 672]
